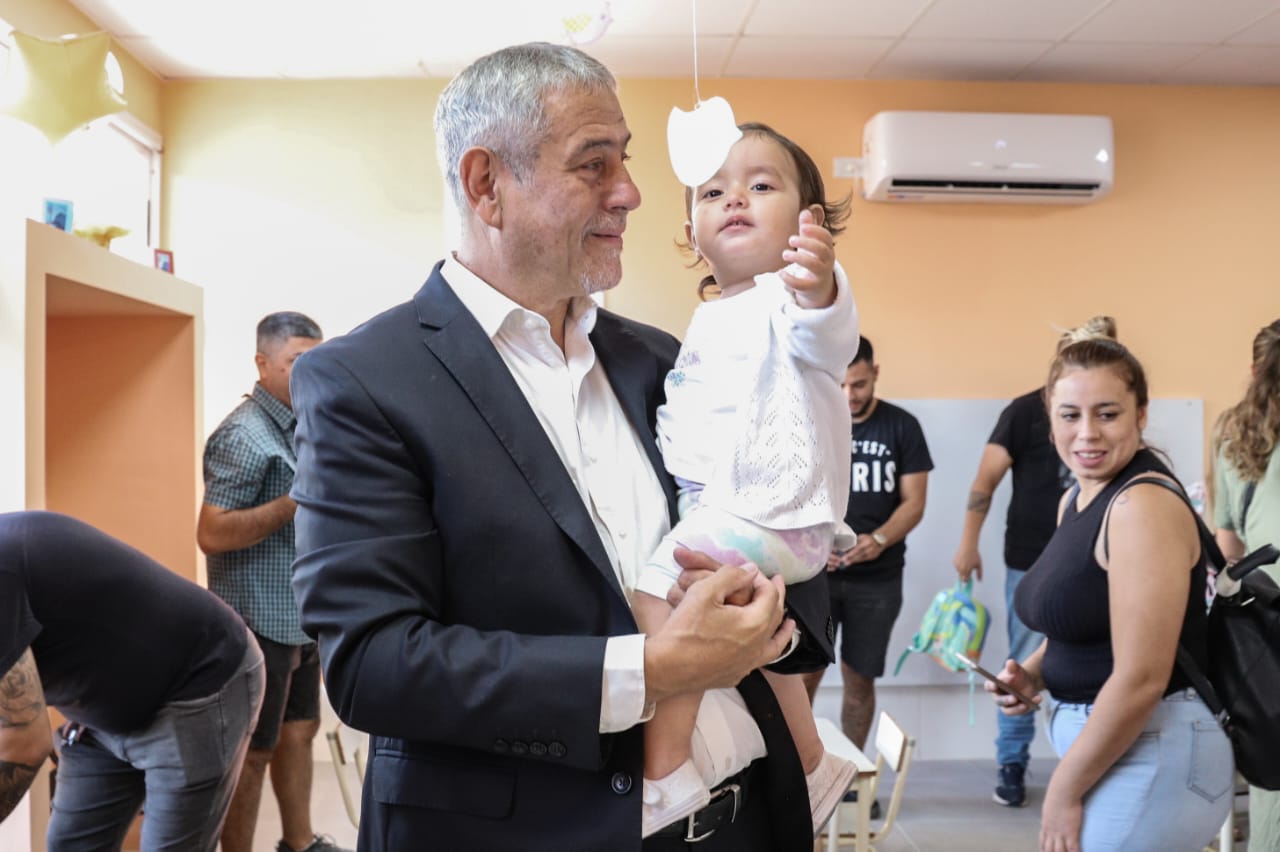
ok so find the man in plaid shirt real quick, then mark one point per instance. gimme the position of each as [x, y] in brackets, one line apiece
[246, 529]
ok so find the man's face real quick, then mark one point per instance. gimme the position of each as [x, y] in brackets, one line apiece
[860, 388]
[276, 364]
[562, 227]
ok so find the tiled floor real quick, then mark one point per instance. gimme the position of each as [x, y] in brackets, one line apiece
[946, 806]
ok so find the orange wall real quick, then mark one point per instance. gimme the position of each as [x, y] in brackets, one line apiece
[961, 299]
[325, 197]
[118, 452]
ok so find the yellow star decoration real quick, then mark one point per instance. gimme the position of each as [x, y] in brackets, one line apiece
[59, 85]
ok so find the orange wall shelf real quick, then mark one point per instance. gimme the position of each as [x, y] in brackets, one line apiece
[101, 400]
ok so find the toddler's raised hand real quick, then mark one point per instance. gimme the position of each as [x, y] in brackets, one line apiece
[811, 258]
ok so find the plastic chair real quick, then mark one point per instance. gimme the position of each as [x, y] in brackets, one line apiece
[339, 754]
[893, 750]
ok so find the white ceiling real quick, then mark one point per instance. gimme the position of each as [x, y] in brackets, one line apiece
[1221, 42]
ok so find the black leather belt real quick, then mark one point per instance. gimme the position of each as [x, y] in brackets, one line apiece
[727, 801]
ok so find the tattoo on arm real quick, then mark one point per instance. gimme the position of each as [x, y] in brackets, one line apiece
[21, 705]
[978, 502]
[15, 780]
[21, 696]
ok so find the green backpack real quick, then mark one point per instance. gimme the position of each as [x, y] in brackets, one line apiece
[955, 622]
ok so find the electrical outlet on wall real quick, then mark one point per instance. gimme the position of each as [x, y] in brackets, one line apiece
[848, 167]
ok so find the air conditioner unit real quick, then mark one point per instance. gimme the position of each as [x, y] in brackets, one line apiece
[986, 157]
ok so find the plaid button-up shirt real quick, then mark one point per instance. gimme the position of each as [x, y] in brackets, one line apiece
[248, 461]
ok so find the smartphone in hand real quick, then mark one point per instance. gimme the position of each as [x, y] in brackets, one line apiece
[1001, 686]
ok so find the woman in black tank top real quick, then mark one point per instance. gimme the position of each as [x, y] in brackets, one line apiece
[1144, 765]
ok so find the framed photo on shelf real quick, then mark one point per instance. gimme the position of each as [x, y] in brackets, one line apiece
[58, 213]
[164, 260]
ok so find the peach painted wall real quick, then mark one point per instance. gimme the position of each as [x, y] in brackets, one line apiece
[961, 299]
[118, 434]
[320, 197]
[52, 18]
[325, 197]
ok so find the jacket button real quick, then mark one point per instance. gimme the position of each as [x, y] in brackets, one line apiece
[621, 783]
[557, 749]
[537, 749]
[519, 748]
[500, 746]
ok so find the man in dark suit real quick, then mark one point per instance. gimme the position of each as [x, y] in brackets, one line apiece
[477, 484]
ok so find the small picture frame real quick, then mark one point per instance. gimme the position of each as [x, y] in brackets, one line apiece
[58, 212]
[164, 260]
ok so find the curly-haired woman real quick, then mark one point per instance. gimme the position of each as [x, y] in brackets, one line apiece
[1247, 508]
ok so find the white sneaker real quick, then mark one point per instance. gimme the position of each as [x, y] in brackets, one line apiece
[828, 783]
[845, 538]
[672, 798]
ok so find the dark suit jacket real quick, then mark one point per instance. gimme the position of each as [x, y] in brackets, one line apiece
[458, 589]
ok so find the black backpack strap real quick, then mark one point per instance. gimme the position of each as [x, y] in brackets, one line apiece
[1202, 686]
[1208, 545]
[1211, 551]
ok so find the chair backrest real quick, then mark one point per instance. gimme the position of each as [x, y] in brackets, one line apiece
[893, 749]
[891, 742]
[338, 751]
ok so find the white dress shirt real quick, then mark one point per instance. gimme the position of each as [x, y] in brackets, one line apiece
[573, 400]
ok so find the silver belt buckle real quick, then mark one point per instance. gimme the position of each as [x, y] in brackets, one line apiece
[690, 836]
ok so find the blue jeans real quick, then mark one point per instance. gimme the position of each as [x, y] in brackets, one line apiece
[1015, 733]
[185, 765]
[1170, 791]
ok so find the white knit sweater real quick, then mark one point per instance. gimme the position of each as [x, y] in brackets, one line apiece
[754, 409]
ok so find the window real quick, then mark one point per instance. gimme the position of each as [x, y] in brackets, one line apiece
[109, 170]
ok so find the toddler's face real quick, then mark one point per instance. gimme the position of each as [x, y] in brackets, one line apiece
[742, 217]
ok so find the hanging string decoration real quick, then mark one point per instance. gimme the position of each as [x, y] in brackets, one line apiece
[698, 141]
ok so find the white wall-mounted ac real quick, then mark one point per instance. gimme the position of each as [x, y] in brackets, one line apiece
[986, 157]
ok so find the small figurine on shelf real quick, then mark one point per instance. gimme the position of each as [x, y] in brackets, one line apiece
[164, 260]
[100, 234]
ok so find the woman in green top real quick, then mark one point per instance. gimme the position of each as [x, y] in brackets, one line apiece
[1247, 509]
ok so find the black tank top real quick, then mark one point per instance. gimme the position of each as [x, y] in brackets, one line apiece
[1065, 597]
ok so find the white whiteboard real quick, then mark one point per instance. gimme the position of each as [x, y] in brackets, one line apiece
[957, 430]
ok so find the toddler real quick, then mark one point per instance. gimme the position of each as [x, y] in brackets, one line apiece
[755, 429]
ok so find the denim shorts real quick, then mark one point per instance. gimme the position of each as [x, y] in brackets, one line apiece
[866, 611]
[1170, 791]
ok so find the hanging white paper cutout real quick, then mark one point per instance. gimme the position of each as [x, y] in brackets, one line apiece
[698, 142]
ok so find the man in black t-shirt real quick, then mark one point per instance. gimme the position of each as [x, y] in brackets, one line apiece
[1020, 441]
[159, 680]
[888, 484]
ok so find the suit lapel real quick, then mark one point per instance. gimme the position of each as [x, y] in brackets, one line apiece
[460, 344]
